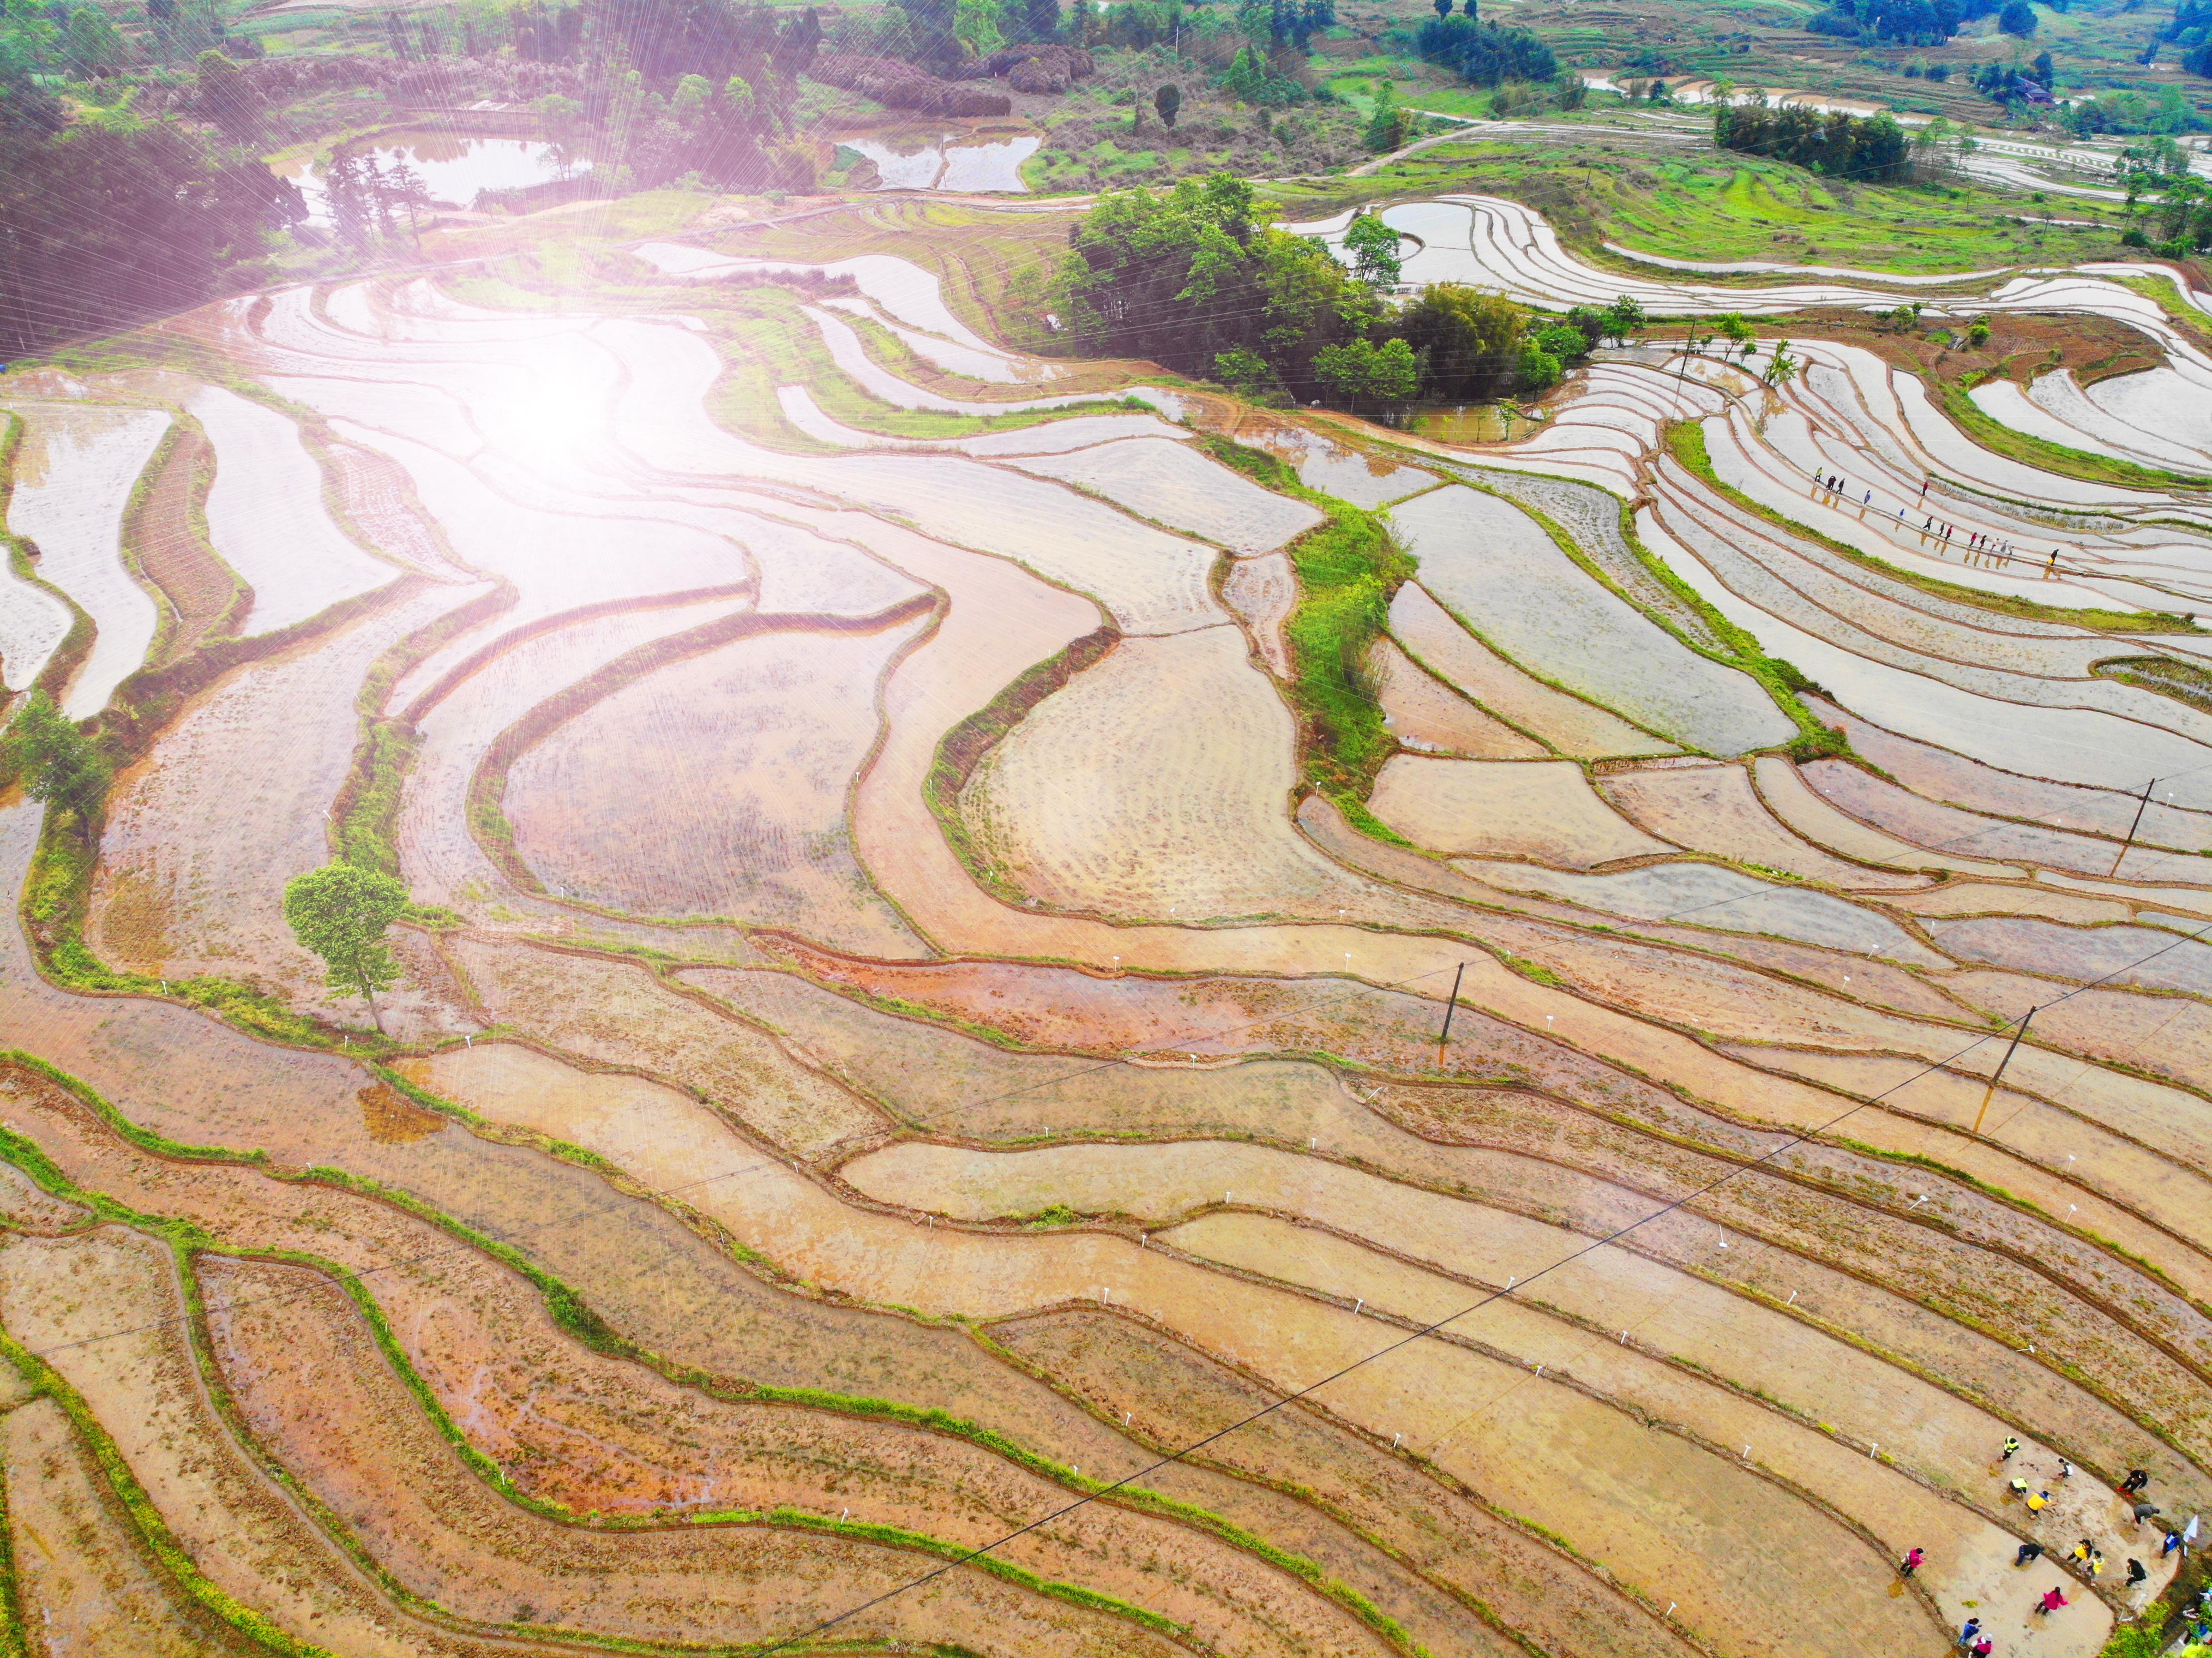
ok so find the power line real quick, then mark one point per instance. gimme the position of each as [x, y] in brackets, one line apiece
[1519, 1283]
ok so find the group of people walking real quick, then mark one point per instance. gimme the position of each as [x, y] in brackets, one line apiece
[2085, 1559]
[1980, 547]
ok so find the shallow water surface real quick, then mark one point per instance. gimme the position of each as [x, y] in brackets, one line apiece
[453, 166]
[940, 164]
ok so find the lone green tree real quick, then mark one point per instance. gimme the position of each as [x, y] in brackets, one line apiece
[1625, 317]
[56, 762]
[1374, 249]
[341, 913]
[1167, 100]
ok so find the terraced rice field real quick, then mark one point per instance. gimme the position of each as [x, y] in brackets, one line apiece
[925, 1107]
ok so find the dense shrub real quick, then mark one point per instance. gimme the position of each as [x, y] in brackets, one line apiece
[1186, 278]
[1909, 23]
[1485, 53]
[1188, 275]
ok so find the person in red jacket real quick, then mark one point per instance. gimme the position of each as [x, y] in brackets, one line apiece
[2051, 1603]
[1910, 1564]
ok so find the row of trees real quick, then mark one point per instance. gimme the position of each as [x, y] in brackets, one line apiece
[1873, 148]
[1189, 278]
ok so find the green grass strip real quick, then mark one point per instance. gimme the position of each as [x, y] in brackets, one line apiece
[569, 1311]
[1993, 435]
[49, 1382]
[1780, 679]
[13, 1641]
[1349, 568]
[190, 1240]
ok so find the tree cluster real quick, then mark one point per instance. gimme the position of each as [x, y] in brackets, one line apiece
[102, 225]
[2184, 218]
[2190, 17]
[1190, 278]
[2190, 25]
[1484, 53]
[1873, 148]
[1906, 22]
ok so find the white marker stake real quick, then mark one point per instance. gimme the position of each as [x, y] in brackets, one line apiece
[1357, 1304]
[1792, 1301]
[1395, 1438]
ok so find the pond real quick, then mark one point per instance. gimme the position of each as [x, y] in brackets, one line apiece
[994, 166]
[453, 166]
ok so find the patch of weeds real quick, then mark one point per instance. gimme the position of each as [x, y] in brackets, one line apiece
[1532, 970]
[2184, 682]
[1348, 569]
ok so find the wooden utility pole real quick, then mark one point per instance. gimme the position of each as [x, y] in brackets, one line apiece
[2141, 806]
[1450, 1008]
[1990, 1093]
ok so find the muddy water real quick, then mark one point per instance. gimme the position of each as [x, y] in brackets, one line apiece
[453, 168]
[993, 167]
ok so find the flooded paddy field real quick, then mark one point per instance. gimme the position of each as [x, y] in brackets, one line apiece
[933, 1092]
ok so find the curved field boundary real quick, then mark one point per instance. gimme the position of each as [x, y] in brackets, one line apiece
[488, 783]
[165, 542]
[1254, 1471]
[69, 653]
[1686, 442]
[963, 748]
[445, 684]
[573, 1317]
[364, 812]
[1172, 1225]
[54, 900]
[1971, 1186]
[1598, 1395]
